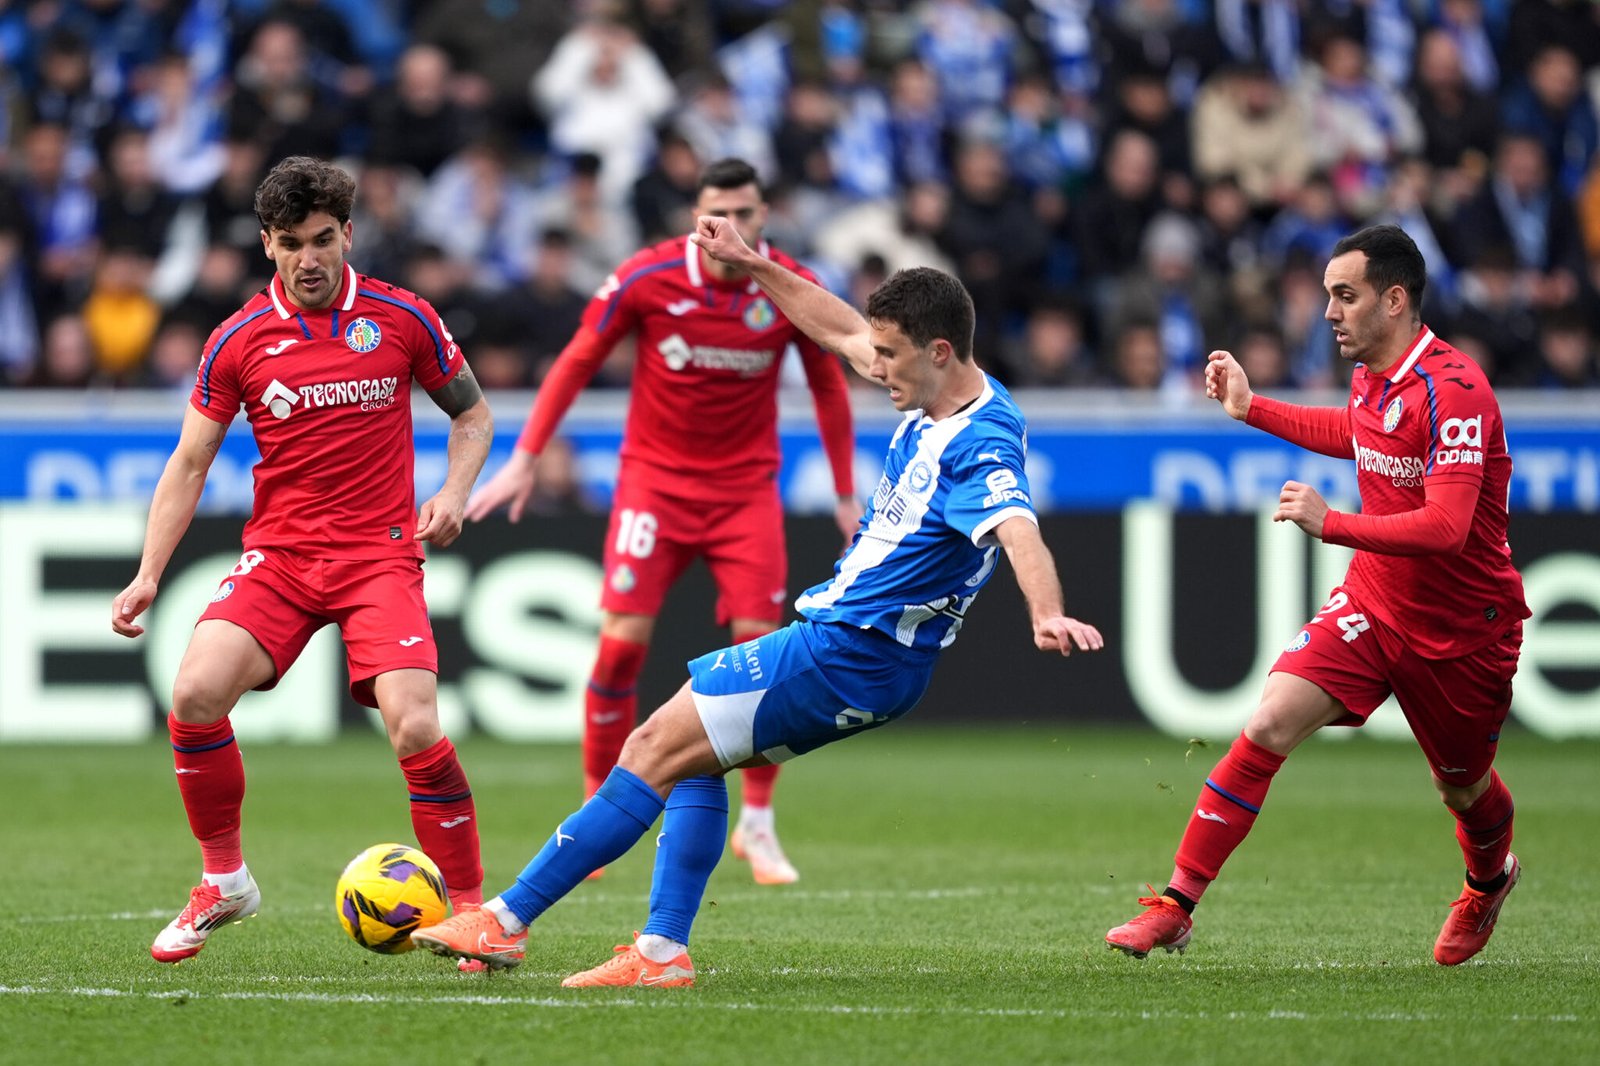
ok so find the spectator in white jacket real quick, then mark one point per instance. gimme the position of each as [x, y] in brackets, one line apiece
[602, 92]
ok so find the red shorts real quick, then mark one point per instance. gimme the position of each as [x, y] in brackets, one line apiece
[1455, 707]
[281, 598]
[654, 537]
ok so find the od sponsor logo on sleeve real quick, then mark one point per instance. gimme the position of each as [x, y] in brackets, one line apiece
[1460, 442]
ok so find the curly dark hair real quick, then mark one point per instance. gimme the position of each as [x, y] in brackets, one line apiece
[299, 187]
[927, 305]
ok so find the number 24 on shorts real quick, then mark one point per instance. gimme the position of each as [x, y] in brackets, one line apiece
[1351, 625]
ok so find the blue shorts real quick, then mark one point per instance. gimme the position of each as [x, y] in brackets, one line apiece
[804, 686]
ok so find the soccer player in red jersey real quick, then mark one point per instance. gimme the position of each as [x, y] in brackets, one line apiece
[321, 362]
[1431, 608]
[699, 464]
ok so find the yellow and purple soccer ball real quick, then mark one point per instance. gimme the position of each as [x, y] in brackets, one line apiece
[386, 892]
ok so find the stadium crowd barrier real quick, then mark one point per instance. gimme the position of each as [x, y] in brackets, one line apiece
[1159, 516]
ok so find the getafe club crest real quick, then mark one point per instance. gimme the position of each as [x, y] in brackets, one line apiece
[758, 315]
[362, 335]
[1391, 414]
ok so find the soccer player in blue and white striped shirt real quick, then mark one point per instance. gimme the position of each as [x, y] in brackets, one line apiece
[954, 493]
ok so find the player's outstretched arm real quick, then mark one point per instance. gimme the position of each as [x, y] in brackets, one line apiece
[820, 314]
[471, 430]
[1321, 429]
[171, 510]
[1035, 568]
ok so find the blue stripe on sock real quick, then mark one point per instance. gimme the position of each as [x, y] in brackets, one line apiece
[418, 797]
[1225, 794]
[690, 845]
[213, 746]
[611, 693]
[597, 834]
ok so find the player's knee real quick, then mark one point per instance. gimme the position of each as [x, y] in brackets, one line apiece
[649, 755]
[1273, 731]
[416, 729]
[198, 700]
[1461, 797]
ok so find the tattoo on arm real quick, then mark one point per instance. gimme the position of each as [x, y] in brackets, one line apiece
[458, 394]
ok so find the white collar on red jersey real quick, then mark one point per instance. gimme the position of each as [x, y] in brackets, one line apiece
[281, 301]
[1418, 346]
[691, 265]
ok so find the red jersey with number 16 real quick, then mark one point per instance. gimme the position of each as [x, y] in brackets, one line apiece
[703, 412]
[1433, 417]
[328, 396]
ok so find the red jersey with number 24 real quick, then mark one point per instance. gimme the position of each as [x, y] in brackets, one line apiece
[328, 396]
[1434, 417]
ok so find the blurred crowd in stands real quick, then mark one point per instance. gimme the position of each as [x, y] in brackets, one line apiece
[1123, 186]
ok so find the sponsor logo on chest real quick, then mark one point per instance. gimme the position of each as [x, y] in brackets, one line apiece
[680, 355]
[367, 394]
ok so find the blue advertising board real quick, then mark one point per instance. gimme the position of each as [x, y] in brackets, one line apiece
[1085, 453]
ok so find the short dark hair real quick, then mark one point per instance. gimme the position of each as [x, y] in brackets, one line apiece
[728, 174]
[927, 305]
[1392, 259]
[298, 188]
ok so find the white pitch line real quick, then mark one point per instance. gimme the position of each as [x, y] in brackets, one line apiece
[680, 1002]
[746, 896]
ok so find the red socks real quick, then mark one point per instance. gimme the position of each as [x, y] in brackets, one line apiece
[443, 817]
[1223, 815]
[211, 782]
[758, 782]
[610, 708]
[1484, 831]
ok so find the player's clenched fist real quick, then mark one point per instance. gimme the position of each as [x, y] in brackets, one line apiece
[440, 520]
[719, 239]
[1302, 505]
[1226, 383]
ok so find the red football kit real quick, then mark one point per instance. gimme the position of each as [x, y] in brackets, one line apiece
[1431, 608]
[328, 397]
[700, 448]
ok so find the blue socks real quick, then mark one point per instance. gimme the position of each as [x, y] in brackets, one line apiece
[613, 820]
[690, 846]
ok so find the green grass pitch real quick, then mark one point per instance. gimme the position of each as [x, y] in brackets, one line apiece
[956, 887]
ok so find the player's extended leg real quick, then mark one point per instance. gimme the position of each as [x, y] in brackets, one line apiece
[1484, 813]
[222, 663]
[1291, 709]
[442, 812]
[755, 837]
[670, 746]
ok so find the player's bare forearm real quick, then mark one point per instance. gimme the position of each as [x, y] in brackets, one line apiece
[471, 433]
[818, 313]
[1033, 565]
[1035, 569]
[172, 508]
